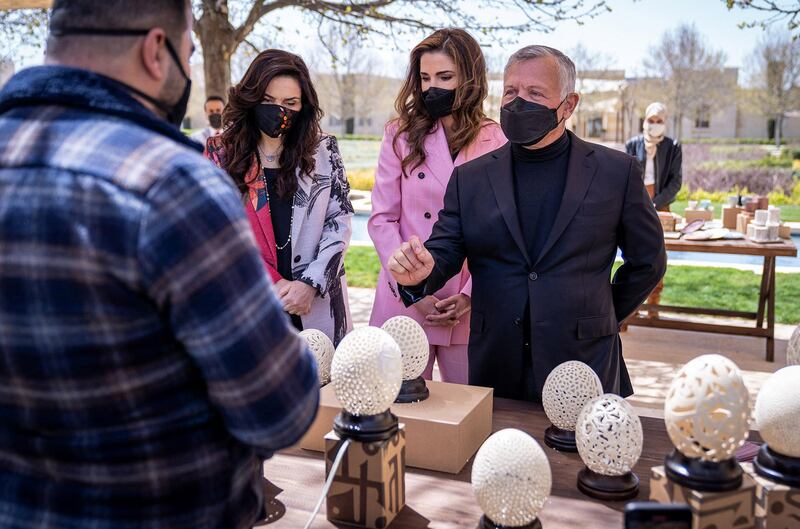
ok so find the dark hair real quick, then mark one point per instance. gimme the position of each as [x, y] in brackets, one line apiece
[170, 15]
[214, 98]
[468, 114]
[241, 133]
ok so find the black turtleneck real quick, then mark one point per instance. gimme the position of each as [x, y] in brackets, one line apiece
[539, 179]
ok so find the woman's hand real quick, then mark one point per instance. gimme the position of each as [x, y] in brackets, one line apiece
[280, 284]
[450, 310]
[296, 297]
[427, 306]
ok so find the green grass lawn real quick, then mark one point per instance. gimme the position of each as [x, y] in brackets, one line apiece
[692, 286]
[790, 213]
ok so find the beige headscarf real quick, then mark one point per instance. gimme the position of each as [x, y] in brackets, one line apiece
[651, 142]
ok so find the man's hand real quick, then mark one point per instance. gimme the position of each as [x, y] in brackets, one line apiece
[450, 310]
[410, 264]
[296, 297]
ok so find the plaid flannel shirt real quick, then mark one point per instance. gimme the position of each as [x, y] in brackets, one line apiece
[146, 367]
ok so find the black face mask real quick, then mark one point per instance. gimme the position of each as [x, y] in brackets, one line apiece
[439, 101]
[215, 120]
[527, 123]
[273, 120]
[175, 112]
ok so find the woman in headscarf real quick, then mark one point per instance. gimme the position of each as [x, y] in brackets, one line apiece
[660, 157]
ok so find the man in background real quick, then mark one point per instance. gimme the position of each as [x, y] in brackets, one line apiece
[213, 107]
[146, 367]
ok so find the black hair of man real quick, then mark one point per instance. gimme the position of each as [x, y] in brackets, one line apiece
[169, 15]
[213, 98]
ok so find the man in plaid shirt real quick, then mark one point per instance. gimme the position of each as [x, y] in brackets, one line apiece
[146, 367]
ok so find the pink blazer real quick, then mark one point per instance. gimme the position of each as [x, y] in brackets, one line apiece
[406, 206]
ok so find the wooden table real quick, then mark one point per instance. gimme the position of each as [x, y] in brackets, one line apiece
[766, 297]
[439, 500]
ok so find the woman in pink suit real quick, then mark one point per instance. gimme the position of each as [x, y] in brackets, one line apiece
[441, 124]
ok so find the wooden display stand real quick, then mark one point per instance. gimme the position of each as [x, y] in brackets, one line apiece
[733, 509]
[729, 214]
[368, 489]
[777, 506]
[742, 220]
[444, 431]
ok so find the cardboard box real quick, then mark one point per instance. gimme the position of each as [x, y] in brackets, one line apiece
[729, 214]
[692, 215]
[368, 489]
[776, 506]
[668, 220]
[732, 510]
[785, 231]
[443, 432]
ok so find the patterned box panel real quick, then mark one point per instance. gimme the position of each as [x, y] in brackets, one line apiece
[776, 506]
[710, 510]
[369, 487]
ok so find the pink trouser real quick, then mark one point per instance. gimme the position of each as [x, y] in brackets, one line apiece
[452, 360]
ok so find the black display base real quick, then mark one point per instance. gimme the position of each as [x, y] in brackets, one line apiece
[413, 391]
[705, 476]
[608, 488]
[561, 440]
[777, 467]
[366, 428]
[486, 523]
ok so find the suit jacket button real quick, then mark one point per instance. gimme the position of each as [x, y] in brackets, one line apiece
[427, 214]
[421, 175]
[517, 321]
[533, 276]
[296, 258]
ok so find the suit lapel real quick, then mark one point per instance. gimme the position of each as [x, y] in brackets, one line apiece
[580, 172]
[439, 160]
[501, 180]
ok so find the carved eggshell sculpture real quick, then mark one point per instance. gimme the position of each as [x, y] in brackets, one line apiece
[778, 411]
[567, 389]
[707, 409]
[511, 478]
[413, 342]
[609, 435]
[322, 347]
[366, 372]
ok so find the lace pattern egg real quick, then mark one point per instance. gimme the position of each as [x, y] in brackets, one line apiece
[366, 371]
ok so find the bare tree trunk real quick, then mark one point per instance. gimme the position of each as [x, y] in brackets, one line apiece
[217, 37]
[778, 130]
[347, 96]
[217, 69]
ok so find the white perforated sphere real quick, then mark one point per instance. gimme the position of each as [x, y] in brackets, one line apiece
[322, 347]
[413, 342]
[567, 389]
[793, 349]
[707, 409]
[778, 411]
[609, 435]
[366, 372]
[511, 478]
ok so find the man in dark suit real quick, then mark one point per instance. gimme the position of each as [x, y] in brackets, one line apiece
[539, 222]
